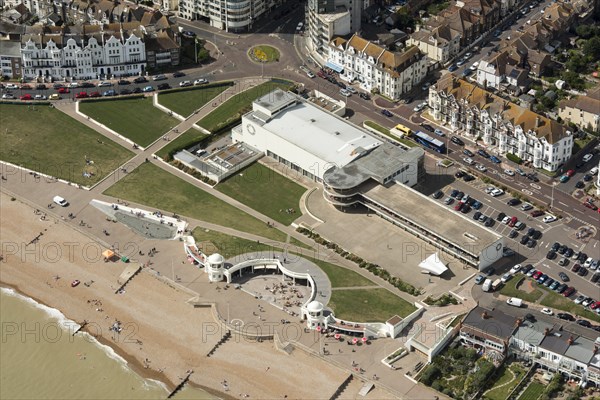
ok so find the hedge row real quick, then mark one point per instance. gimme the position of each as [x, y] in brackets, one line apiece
[193, 172]
[373, 268]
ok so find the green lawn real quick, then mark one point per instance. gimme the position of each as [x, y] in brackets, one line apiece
[368, 305]
[533, 391]
[509, 373]
[46, 140]
[266, 191]
[233, 109]
[557, 301]
[185, 102]
[510, 289]
[185, 140]
[156, 188]
[136, 119]
[340, 276]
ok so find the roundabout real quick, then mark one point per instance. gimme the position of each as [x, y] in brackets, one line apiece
[264, 54]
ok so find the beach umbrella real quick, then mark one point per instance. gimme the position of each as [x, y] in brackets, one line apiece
[318, 328]
[337, 336]
[354, 340]
[364, 340]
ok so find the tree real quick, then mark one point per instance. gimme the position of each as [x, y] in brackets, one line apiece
[585, 31]
[203, 55]
[592, 48]
[577, 63]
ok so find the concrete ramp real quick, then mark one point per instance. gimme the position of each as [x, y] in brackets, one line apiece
[128, 273]
[366, 389]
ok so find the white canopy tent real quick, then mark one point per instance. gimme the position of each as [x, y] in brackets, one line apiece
[433, 265]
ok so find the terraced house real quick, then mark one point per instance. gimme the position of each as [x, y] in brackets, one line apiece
[84, 52]
[503, 126]
[375, 68]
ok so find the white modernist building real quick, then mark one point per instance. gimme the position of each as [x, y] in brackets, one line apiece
[302, 135]
[504, 126]
[375, 68]
[112, 51]
[229, 15]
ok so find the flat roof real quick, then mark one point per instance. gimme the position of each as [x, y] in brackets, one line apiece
[497, 323]
[275, 99]
[377, 164]
[320, 133]
[424, 211]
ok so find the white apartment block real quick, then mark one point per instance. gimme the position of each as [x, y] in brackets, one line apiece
[229, 15]
[374, 67]
[326, 19]
[107, 51]
[503, 126]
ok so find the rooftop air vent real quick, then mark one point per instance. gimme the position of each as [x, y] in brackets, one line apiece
[312, 120]
[337, 133]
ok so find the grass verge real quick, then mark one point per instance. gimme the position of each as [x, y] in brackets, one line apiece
[265, 191]
[368, 305]
[136, 119]
[559, 302]
[511, 289]
[231, 111]
[50, 142]
[157, 188]
[185, 102]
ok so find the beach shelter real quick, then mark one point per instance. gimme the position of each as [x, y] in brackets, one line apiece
[433, 265]
[108, 254]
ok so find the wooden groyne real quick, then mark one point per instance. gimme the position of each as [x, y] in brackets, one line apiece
[83, 324]
[181, 384]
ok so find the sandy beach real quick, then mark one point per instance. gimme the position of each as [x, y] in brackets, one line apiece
[161, 337]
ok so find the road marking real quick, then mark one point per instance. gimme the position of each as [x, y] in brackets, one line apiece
[566, 205]
[527, 191]
[533, 185]
[579, 211]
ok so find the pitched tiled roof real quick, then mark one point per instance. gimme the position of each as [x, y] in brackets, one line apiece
[475, 96]
[583, 103]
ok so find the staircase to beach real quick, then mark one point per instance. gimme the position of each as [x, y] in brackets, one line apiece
[343, 386]
[221, 341]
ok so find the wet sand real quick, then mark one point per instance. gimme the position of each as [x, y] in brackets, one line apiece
[161, 336]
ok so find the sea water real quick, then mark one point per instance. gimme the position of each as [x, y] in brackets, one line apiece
[40, 359]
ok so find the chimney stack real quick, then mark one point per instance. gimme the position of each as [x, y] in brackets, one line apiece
[570, 340]
[538, 121]
[484, 315]
[546, 332]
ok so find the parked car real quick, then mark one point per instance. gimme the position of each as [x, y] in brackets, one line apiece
[140, 79]
[564, 277]
[387, 113]
[178, 74]
[185, 83]
[569, 291]
[515, 269]
[438, 194]
[584, 323]
[163, 86]
[537, 213]
[148, 89]
[575, 268]
[453, 139]
[439, 132]
[547, 311]
[495, 160]
[26, 97]
[549, 218]
[513, 202]
[428, 127]
[479, 279]
[159, 77]
[565, 316]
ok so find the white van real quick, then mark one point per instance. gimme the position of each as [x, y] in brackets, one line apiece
[487, 285]
[60, 201]
[514, 301]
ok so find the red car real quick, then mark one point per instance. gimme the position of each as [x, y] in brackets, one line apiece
[537, 213]
[569, 291]
[513, 221]
[570, 173]
[64, 90]
[595, 305]
[26, 97]
[95, 94]
[575, 267]
[81, 95]
[537, 275]
[459, 206]
[590, 206]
